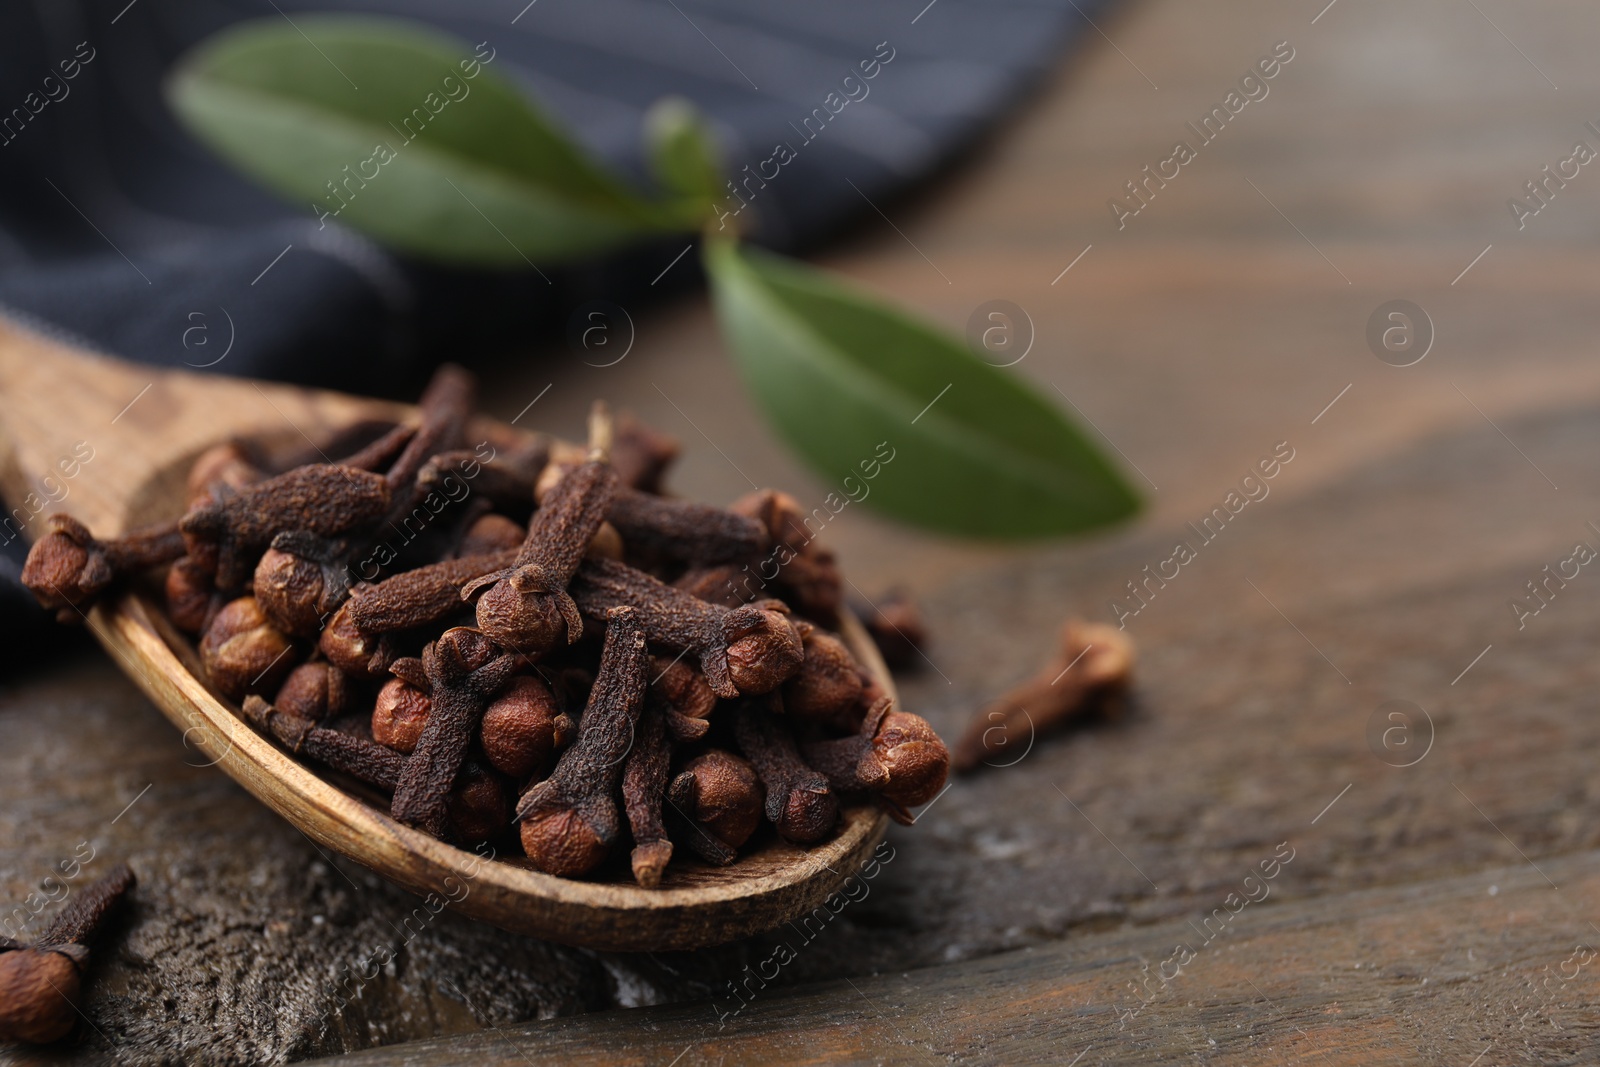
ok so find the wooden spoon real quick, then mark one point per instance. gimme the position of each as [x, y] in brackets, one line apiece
[141, 427]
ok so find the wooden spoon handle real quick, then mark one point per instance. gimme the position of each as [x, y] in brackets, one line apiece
[109, 440]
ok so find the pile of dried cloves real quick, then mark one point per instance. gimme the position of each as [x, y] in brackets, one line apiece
[455, 622]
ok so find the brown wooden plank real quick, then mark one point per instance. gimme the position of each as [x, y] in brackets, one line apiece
[1499, 966]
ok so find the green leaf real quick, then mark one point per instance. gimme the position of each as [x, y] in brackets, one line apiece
[409, 135]
[976, 450]
[684, 153]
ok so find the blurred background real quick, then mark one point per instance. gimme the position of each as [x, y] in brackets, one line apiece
[1394, 139]
[121, 232]
[1231, 313]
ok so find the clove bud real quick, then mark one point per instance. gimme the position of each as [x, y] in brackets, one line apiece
[684, 532]
[896, 756]
[67, 569]
[222, 471]
[895, 623]
[523, 728]
[357, 654]
[717, 797]
[300, 581]
[743, 651]
[827, 688]
[799, 801]
[40, 984]
[421, 596]
[191, 599]
[317, 691]
[242, 652]
[478, 808]
[1090, 670]
[805, 569]
[491, 534]
[644, 788]
[319, 498]
[641, 453]
[465, 669]
[400, 714]
[684, 697]
[526, 606]
[570, 820]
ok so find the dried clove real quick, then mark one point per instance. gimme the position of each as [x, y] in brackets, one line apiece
[896, 626]
[715, 585]
[465, 668]
[192, 601]
[684, 532]
[445, 407]
[491, 533]
[896, 756]
[68, 569]
[478, 807]
[644, 789]
[570, 820]
[717, 801]
[242, 652]
[361, 759]
[228, 469]
[801, 565]
[828, 686]
[506, 483]
[742, 651]
[605, 544]
[641, 454]
[357, 654]
[421, 596]
[685, 697]
[526, 606]
[681, 729]
[317, 691]
[1090, 670]
[524, 728]
[320, 498]
[301, 580]
[223, 470]
[382, 451]
[304, 577]
[400, 714]
[40, 984]
[799, 801]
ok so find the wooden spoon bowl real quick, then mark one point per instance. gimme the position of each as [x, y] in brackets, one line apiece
[141, 427]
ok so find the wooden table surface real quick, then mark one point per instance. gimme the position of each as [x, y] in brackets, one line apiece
[1089, 904]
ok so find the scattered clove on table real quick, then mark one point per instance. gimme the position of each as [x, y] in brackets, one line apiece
[547, 627]
[1089, 673]
[40, 983]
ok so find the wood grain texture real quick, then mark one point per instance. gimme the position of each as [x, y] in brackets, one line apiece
[138, 468]
[1354, 979]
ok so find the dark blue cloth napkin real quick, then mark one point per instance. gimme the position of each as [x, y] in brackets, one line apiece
[120, 233]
